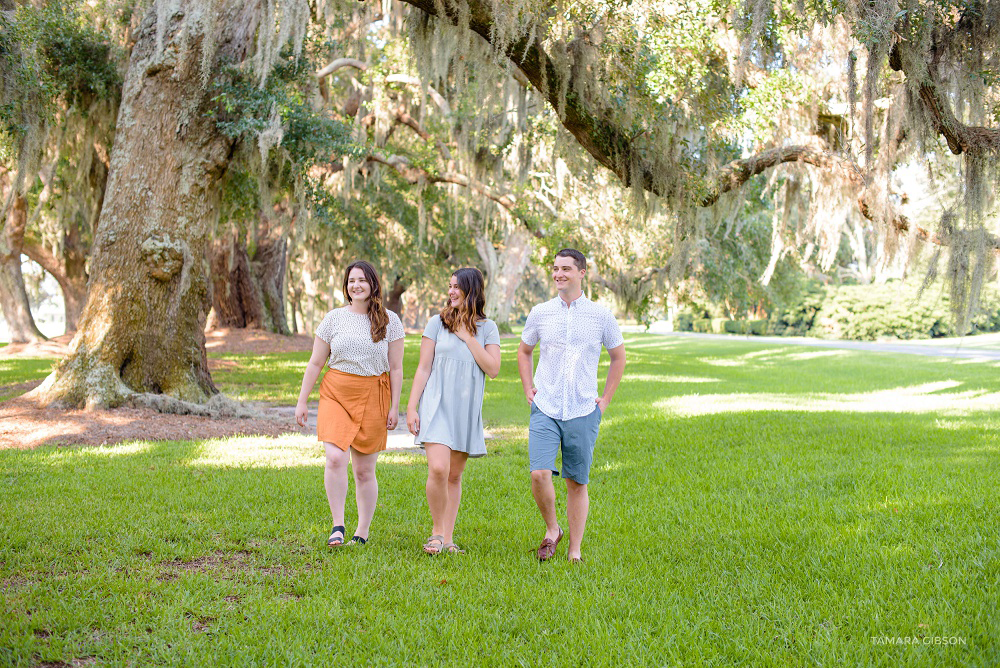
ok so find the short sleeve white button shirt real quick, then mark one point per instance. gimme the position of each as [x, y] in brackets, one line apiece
[570, 339]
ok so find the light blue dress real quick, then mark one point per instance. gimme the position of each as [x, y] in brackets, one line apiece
[451, 407]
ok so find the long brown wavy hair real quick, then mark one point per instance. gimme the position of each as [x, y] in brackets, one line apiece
[376, 311]
[471, 309]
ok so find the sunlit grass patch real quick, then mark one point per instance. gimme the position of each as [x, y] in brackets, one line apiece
[401, 458]
[668, 378]
[507, 432]
[921, 399]
[64, 455]
[973, 360]
[260, 451]
[815, 354]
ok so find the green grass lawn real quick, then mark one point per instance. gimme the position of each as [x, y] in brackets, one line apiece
[750, 504]
[14, 373]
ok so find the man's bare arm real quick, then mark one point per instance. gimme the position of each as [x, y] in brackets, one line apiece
[524, 353]
[615, 372]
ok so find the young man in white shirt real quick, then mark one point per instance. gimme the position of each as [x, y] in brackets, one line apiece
[565, 409]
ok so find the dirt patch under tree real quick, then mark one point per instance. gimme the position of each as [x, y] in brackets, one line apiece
[25, 424]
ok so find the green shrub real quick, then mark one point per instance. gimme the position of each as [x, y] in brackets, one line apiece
[870, 312]
[684, 322]
[702, 325]
[718, 324]
[745, 327]
[734, 327]
[797, 317]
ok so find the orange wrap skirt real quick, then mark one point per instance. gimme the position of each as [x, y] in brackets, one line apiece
[353, 411]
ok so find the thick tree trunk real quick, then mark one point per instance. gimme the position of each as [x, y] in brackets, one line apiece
[249, 292]
[13, 296]
[504, 272]
[69, 270]
[142, 330]
[394, 295]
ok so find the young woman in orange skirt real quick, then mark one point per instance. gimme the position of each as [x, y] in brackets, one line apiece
[362, 344]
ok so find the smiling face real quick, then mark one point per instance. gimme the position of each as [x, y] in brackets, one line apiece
[455, 294]
[358, 287]
[567, 277]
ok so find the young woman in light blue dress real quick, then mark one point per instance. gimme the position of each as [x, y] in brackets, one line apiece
[460, 347]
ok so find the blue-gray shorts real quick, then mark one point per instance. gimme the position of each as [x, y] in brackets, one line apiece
[577, 438]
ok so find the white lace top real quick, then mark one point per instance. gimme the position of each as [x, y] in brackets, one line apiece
[351, 347]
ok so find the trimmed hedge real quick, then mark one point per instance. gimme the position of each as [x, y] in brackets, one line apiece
[870, 312]
[746, 327]
[861, 312]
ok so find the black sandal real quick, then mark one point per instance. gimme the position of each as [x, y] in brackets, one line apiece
[357, 540]
[336, 541]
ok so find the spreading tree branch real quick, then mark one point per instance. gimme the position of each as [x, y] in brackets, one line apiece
[339, 63]
[738, 172]
[415, 175]
[961, 138]
[606, 142]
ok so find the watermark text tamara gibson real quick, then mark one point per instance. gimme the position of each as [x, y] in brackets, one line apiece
[918, 640]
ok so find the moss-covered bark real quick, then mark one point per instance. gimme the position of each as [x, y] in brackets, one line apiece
[142, 329]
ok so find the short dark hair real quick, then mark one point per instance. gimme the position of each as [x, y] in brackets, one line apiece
[578, 258]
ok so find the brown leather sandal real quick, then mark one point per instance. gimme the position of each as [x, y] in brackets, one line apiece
[548, 547]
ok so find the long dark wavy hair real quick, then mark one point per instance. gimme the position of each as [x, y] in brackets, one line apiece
[471, 309]
[376, 310]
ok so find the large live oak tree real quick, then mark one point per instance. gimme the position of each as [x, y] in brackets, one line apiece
[141, 332]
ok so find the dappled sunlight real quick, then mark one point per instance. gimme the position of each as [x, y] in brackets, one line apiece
[768, 352]
[651, 345]
[120, 450]
[923, 398]
[946, 423]
[723, 361]
[508, 432]
[759, 357]
[401, 458]
[284, 451]
[816, 354]
[666, 378]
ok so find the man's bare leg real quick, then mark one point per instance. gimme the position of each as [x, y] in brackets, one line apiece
[577, 508]
[545, 498]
